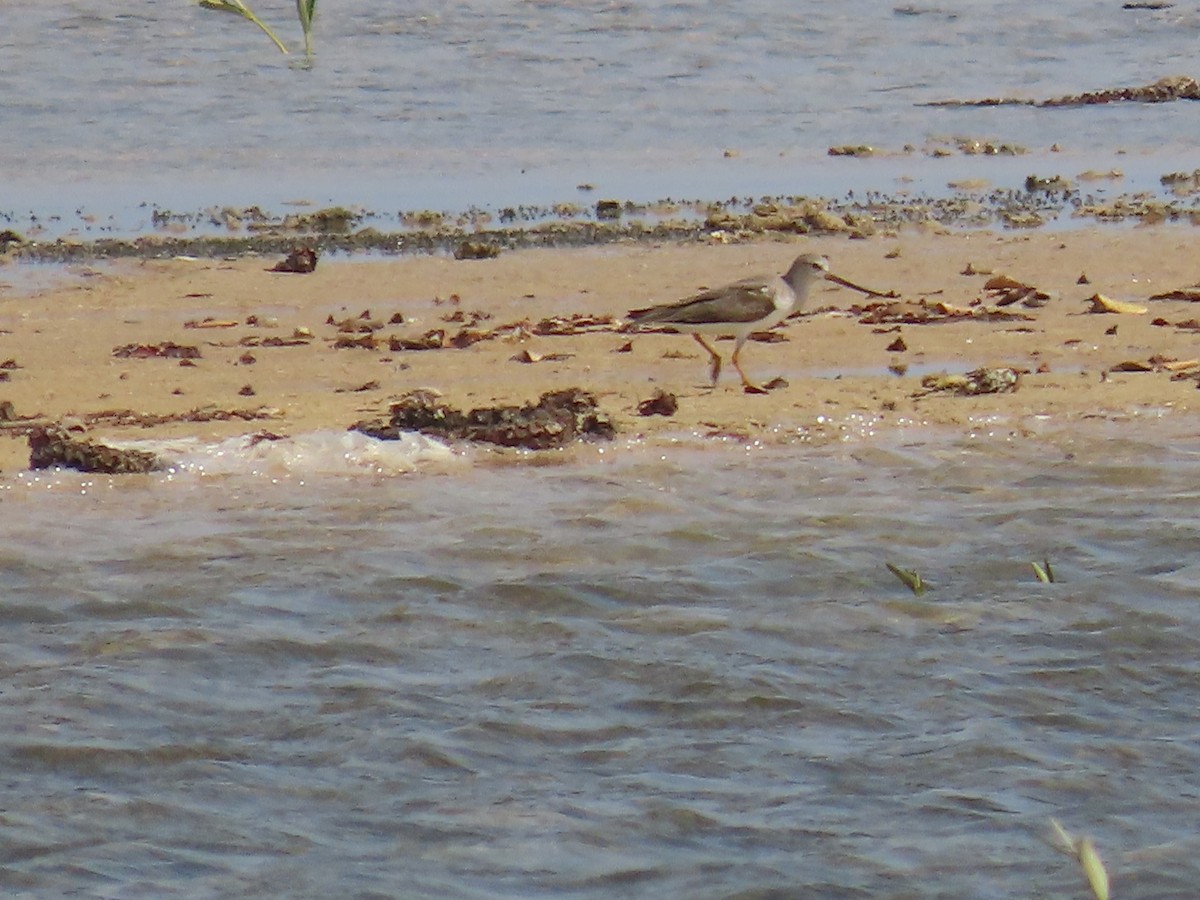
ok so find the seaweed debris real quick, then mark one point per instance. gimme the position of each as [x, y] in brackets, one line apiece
[557, 418]
[51, 446]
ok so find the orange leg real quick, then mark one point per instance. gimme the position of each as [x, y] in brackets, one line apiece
[750, 386]
[715, 372]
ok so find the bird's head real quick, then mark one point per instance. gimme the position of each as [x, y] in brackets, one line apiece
[811, 267]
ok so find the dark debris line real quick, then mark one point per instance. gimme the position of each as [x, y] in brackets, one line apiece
[558, 418]
[1176, 87]
[1038, 199]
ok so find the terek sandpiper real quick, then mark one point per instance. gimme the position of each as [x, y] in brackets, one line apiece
[753, 304]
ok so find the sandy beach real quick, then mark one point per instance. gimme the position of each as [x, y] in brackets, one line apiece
[262, 350]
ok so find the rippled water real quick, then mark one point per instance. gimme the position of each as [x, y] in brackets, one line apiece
[635, 673]
[491, 103]
[679, 673]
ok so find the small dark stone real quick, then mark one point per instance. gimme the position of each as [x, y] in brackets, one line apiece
[301, 261]
[661, 404]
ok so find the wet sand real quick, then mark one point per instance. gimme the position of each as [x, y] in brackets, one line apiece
[841, 375]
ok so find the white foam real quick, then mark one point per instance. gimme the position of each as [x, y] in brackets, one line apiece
[311, 453]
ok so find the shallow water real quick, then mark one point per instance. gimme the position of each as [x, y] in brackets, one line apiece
[451, 105]
[653, 671]
[637, 672]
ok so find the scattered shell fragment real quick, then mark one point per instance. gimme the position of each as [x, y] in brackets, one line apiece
[1156, 363]
[1005, 291]
[972, 269]
[984, 380]
[208, 322]
[167, 349]
[529, 356]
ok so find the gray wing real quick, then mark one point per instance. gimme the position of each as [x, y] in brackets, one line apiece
[745, 301]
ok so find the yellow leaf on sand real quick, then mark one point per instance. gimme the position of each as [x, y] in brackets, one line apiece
[1102, 304]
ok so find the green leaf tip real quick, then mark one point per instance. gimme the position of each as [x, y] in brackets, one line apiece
[910, 578]
[1044, 572]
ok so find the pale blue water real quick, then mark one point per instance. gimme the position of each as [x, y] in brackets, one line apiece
[451, 105]
[651, 672]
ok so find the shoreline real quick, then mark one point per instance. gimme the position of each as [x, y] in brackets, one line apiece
[1038, 199]
[269, 344]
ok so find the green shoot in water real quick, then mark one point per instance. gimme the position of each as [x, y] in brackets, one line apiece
[1044, 573]
[1089, 860]
[910, 578]
[305, 11]
[237, 7]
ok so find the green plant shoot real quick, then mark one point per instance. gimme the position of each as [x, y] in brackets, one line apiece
[237, 7]
[910, 578]
[306, 9]
[1044, 573]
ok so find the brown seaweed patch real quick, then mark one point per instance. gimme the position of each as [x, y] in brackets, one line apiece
[557, 418]
[127, 417]
[50, 446]
[1191, 294]
[804, 218]
[331, 220]
[924, 312]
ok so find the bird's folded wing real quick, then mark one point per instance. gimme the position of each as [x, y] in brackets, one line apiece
[741, 302]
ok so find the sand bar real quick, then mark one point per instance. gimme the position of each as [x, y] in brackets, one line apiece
[257, 370]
